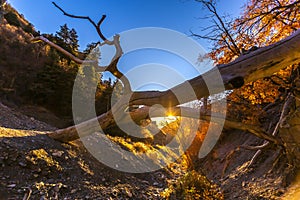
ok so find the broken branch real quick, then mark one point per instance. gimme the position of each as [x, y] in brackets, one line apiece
[97, 26]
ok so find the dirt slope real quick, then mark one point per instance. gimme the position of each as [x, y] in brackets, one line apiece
[33, 164]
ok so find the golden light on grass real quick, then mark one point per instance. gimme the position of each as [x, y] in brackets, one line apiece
[42, 154]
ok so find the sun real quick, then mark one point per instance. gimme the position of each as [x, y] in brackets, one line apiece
[170, 117]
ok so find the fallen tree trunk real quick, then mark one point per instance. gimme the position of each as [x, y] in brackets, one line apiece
[105, 120]
[247, 68]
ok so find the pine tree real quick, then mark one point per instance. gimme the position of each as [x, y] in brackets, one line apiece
[64, 33]
[69, 37]
[74, 39]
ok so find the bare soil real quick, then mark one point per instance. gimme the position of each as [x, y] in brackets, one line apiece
[33, 166]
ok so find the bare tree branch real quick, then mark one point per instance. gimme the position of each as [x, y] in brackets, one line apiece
[112, 67]
[262, 15]
[221, 26]
[97, 26]
[68, 54]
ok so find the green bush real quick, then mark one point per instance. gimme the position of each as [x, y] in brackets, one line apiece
[29, 28]
[193, 186]
[12, 19]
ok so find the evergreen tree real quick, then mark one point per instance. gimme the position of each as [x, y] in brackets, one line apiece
[69, 37]
[74, 39]
[64, 33]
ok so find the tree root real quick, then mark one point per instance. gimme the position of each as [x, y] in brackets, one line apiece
[263, 146]
[276, 160]
[284, 113]
[227, 160]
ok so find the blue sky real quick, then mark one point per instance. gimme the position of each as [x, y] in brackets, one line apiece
[123, 15]
[179, 15]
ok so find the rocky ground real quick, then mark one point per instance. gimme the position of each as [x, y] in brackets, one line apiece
[33, 166]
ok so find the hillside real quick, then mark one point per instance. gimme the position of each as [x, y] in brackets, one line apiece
[33, 74]
[20, 60]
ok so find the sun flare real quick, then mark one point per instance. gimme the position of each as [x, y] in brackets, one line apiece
[170, 115]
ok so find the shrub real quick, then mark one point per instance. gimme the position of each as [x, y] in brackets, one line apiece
[12, 19]
[193, 186]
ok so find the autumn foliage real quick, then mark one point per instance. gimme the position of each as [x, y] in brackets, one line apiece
[262, 23]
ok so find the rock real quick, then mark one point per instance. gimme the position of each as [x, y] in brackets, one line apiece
[22, 164]
[87, 182]
[129, 194]
[145, 182]
[57, 187]
[57, 153]
[50, 180]
[43, 198]
[11, 185]
[73, 191]
[155, 184]
[115, 192]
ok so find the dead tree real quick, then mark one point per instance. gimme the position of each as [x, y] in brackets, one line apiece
[246, 68]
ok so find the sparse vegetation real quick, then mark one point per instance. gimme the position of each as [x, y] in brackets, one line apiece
[191, 186]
